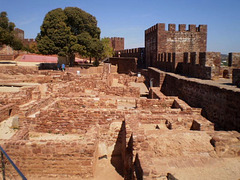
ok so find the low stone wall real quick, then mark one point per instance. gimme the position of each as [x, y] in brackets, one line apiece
[8, 57]
[153, 103]
[73, 120]
[7, 111]
[38, 159]
[156, 77]
[13, 70]
[123, 91]
[78, 103]
[219, 103]
[18, 98]
[34, 106]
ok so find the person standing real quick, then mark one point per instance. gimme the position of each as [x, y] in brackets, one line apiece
[63, 67]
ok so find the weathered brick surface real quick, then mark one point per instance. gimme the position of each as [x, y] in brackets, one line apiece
[213, 60]
[46, 158]
[220, 105]
[138, 53]
[18, 98]
[117, 43]
[124, 64]
[158, 40]
[165, 131]
[7, 111]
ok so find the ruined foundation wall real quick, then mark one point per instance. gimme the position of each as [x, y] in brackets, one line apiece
[72, 120]
[18, 98]
[13, 70]
[7, 111]
[219, 104]
[52, 158]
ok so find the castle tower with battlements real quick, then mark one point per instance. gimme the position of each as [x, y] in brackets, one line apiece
[159, 40]
[117, 43]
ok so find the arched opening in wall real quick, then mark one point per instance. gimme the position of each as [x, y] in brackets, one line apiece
[10, 112]
[225, 74]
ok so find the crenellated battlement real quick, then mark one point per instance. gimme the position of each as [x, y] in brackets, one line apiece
[29, 40]
[117, 43]
[117, 38]
[172, 28]
[131, 51]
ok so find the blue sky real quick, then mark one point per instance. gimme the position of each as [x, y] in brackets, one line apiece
[129, 18]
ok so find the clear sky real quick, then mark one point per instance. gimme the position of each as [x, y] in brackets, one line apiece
[130, 18]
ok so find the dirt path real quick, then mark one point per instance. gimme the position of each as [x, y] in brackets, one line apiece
[105, 170]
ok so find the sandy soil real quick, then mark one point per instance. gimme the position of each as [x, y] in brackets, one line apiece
[6, 130]
[219, 169]
[51, 136]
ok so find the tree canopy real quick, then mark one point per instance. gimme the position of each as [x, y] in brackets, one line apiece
[7, 33]
[67, 31]
[107, 49]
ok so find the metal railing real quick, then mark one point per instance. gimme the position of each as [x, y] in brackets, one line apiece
[3, 153]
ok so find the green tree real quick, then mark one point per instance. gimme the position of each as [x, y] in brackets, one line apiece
[65, 32]
[7, 34]
[107, 49]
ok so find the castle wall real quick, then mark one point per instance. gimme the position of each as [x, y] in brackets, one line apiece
[220, 104]
[158, 40]
[138, 53]
[117, 43]
[151, 43]
[125, 64]
[19, 33]
[192, 40]
[191, 64]
[211, 59]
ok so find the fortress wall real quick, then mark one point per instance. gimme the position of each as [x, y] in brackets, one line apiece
[117, 43]
[159, 40]
[138, 53]
[124, 64]
[203, 65]
[220, 104]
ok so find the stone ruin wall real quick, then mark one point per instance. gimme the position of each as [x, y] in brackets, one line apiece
[35, 157]
[219, 105]
[38, 155]
[47, 158]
